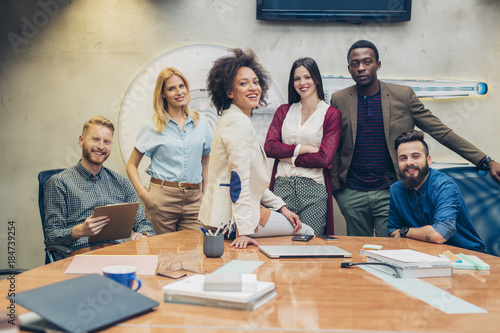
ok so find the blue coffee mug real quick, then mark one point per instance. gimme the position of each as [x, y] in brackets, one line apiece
[122, 274]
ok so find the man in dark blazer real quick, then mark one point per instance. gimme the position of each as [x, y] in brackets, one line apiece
[374, 114]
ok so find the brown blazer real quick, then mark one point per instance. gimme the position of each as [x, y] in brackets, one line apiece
[402, 111]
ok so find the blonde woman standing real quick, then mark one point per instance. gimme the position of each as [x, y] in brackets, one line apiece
[177, 139]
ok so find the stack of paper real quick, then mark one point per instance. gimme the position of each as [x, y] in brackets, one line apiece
[191, 291]
[409, 263]
[230, 282]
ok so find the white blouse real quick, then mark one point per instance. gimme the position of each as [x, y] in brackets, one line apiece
[310, 133]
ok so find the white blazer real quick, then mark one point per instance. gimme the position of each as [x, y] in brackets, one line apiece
[238, 176]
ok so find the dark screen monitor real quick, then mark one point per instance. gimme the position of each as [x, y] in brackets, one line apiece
[355, 11]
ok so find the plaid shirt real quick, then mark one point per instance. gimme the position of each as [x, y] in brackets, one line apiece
[71, 196]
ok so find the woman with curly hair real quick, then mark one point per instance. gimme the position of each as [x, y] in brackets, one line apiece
[177, 139]
[238, 174]
[303, 138]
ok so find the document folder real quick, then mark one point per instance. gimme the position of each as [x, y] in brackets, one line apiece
[122, 218]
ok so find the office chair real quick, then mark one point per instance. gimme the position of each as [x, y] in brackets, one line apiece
[43, 176]
[10, 271]
[481, 193]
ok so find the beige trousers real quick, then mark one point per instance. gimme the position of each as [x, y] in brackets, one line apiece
[171, 209]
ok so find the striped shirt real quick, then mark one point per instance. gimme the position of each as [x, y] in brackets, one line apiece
[71, 196]
[371, 166]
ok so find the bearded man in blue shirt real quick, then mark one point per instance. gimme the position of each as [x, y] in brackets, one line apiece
[426, 204]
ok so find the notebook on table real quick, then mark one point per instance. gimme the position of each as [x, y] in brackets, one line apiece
[84, 304]
[303, 251]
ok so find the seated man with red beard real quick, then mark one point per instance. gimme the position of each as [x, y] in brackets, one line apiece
[71, 196]
[426, 204]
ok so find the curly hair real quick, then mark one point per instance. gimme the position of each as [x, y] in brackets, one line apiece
[221, 77]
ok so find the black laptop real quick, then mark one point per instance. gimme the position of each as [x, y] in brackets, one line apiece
[84, 304]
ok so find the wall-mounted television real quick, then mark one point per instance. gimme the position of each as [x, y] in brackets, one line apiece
[355, 11]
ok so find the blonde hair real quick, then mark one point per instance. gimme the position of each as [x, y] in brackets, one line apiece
[160, 105]
[98, 120]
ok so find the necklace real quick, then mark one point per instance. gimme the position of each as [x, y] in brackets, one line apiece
[307, 114]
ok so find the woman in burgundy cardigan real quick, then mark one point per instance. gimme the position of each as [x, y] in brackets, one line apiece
[303, 138]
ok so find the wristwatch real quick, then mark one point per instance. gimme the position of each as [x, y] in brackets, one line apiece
[147, 234]
[486, 161]
[403, 231]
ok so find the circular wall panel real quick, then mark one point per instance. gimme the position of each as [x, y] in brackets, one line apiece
[194, 61]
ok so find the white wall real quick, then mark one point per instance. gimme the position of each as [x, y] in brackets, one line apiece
[78, 59]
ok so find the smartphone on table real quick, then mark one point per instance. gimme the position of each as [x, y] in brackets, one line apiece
[302, 238]
[328, 237]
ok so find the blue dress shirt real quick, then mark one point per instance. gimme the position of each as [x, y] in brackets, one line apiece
[175, 154]
[439, 203]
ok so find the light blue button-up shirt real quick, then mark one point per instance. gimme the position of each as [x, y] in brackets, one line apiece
[175, 154]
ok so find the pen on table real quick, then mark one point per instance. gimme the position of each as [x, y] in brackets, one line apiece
[203, 230]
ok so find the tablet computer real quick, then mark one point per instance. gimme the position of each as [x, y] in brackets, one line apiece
[122, 218]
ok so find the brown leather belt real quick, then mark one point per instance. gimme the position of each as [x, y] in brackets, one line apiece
[182, 186]
[87, 249]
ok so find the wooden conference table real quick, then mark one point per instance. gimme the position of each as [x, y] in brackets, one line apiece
[314, 295]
